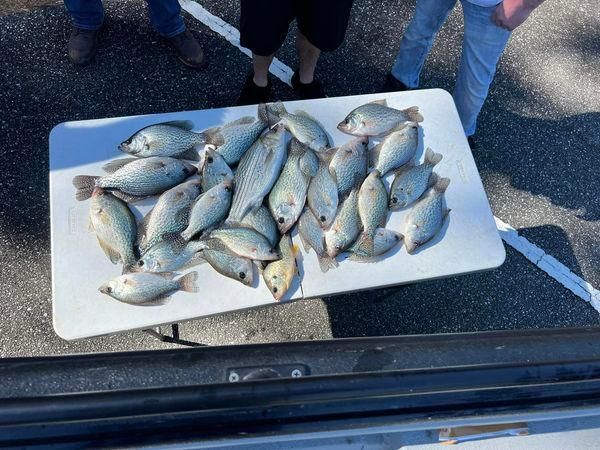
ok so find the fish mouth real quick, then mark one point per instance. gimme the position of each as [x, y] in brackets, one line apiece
[124, 147]
[104, 289]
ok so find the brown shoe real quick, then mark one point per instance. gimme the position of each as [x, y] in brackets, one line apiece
[82, 45]
[188, 49]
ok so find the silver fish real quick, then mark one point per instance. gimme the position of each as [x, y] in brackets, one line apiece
[262, 221]
[372, 210]
[148, 289]
[346, 226]
[209, 209]
[228, 263]
[171, 254]
[376, 118]
[313, 236]
[257, 172]
[303, 126]
[384, 241]
[412, 181]
[349, 164]
[234, 138]
[426, 218]
[288, 195]
[246, 242]
[133, 179]
[169, 215]
[322, 195]
[173, 138]
[278, 275]
[114, 226]
[214, 169]
[396, 149]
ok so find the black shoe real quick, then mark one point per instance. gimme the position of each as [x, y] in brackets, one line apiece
[307, 91]
[472, 143]
[82, 45]
[392, 84]
[188, 49]
[252, 94]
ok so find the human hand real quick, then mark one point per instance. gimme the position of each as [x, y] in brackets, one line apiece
[511, 13]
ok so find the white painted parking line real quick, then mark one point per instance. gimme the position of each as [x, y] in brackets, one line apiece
[532, 252]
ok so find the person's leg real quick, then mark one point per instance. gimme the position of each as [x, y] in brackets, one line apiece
[260, 65]
[483, 45]
[418, 38]
[86, 14]
[308, 55]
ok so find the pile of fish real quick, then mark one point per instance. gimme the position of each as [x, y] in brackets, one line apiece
[231, 195]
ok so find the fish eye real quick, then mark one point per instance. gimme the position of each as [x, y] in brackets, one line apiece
[141, 262]
[242, 275]
[209, 159]
[338, 247]
[228, 188]
[274, 289]
[108, 289]
[322, 218]
[394, 199]
[281, 220]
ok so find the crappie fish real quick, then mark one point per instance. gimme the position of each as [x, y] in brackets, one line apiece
[412, 181]
[246, 242]
[133, 179]
[376, 118]
[209, 209]
[346, 226]
[288, 195]
[384, 240]
[322, 195]
[278, 275]
[169, 215]
[148, 289]
[214, 169]
[426, 218]
[372, 210]
[171, 254]
[262, 221]
[173, 138]
[228, 263]
[257, 172]
[114, 226]
[313, 236]
[396, 149]
[349, 164]
[234, 138]
[303, 126]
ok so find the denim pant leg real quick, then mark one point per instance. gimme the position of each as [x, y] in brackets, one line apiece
[483, 44]
[86, 14]
[165, 16]
[418, 39]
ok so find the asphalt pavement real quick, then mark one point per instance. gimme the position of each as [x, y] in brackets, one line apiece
[539, 139]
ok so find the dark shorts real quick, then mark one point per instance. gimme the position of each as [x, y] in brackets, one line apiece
[264, 23]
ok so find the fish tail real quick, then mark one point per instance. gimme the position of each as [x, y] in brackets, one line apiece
[365, 245]
[84, 184]
[432, 158]
[326, 262]
[413, 114]
[263, 114]
[274, 112]
[187, 283]
[441, 184]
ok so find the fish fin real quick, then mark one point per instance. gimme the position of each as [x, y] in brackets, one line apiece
[157, 301]
[183, 215]
[274, 112]
[176, 242]
[183, 124]
[431, 157]
[327, 155]
[129, 268]
[302, 113]
[404, 168]
[187, 283]
[143, 224]
[111, 253]
[246, 120]
[128, 198]
[305, 243]
[113, 166]
[190, 154]
[433, 179]
[413, 114]
[309, 163]
[84, 184]
[296, 147]
[262, 114]
[365, 244]
[165, 275]
[441, 184]
[326, 262]
[213, 136]
[381, 101]
[374, 155]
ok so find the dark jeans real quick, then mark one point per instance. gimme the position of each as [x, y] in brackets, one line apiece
[165, 15]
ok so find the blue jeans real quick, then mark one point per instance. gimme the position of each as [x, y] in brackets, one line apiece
[483, 44]
[165, 15]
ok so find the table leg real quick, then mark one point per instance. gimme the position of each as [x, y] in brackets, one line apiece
[174, 339]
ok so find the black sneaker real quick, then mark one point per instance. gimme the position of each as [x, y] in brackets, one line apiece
[252, 94]
[392, 84]
[307, 91]
[472, 143]
[188, 49]
[82, 45]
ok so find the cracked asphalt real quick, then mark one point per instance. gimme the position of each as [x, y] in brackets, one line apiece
[539, 136]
